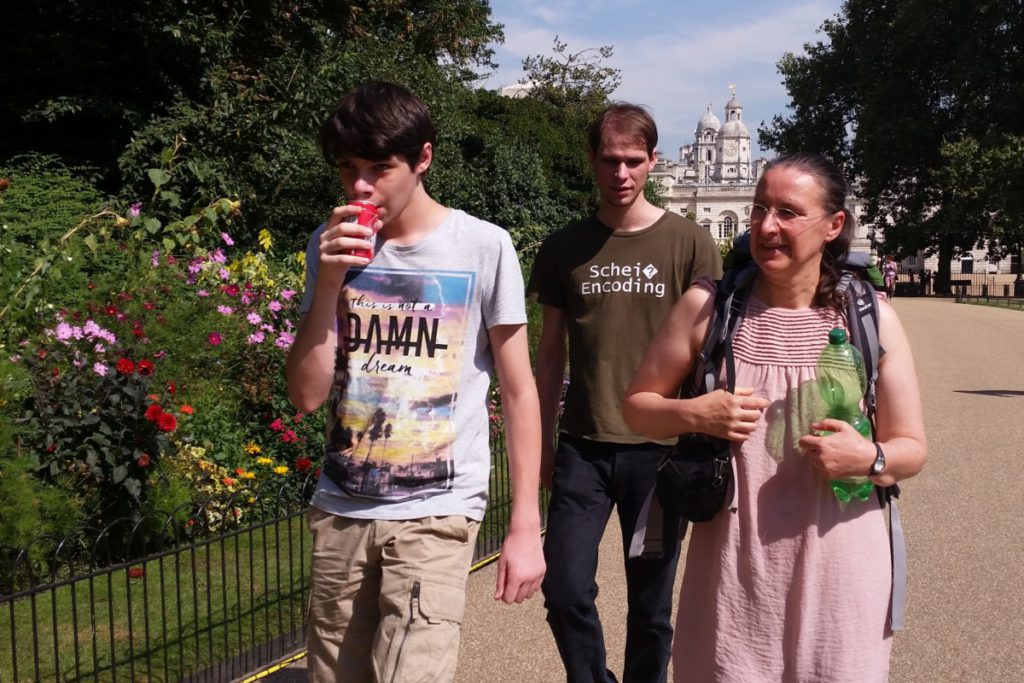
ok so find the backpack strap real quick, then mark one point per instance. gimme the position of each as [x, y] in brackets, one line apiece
[862, 319]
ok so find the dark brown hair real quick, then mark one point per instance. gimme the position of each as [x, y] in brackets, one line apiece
[631, 119]
[377, 121]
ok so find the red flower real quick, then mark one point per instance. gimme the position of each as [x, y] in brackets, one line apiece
[56, 372]
[145, 367]
[143, 460]
[137, 331]
[239, 471]
[172, 388]
[289, 436]
[41, 353]
[317, 473]
[136, 572]
[165, 422]
[214, 338]
[149, 305]
[153, 412]
[302, 465]
[277, 425]
[187, 409]
[51, 448]
[111, 309]
[228, 481]
[231, 290]
[125, 366]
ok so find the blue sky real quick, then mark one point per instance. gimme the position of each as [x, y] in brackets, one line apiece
[676, 56]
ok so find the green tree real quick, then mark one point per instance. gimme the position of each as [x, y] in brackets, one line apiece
[888, 91]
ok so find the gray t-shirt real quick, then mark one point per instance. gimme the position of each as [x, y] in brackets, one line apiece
[407, 426]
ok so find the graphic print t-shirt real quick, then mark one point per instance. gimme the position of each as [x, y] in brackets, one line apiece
[407, 424]
[616, 288]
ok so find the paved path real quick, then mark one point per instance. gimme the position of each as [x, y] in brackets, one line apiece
[965, 617]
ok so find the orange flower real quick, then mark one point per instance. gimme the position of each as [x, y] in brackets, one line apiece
[187, 409]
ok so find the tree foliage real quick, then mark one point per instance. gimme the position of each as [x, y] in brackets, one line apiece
[904, 94]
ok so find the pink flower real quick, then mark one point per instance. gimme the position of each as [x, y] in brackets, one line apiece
[287, 294]
[227, 239]
[217, 256]
[254, 318]
[155, 258]
[289, 436]
[214, 338]
[223, 274]
[275, 305]
[225, 310]
[134, 210]
[277, 425]
[256, 338]
[100, 369]
[284, 340]
[202, 293]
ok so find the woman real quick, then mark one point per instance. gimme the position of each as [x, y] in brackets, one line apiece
[889, 271]
[790, 584]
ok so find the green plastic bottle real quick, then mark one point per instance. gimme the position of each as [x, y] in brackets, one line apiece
[842, 382]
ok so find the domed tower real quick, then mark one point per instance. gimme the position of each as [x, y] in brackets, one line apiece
[705, 147]
[733, 145]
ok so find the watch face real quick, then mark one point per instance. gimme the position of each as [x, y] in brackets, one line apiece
[879, 464]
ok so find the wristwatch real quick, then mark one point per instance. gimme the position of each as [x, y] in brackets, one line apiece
[879, 464]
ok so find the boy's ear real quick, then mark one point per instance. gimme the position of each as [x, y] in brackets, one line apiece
[426, 157]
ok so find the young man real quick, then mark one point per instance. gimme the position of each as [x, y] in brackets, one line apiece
[606, 283]
[401, 346]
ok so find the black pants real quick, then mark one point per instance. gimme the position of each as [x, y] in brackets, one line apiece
[590, 477]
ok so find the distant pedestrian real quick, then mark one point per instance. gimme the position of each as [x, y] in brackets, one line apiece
[889, 273]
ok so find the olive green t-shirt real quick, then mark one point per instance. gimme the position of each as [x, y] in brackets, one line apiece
[616, 288]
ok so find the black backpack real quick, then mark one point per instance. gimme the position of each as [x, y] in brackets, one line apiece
[695, 478]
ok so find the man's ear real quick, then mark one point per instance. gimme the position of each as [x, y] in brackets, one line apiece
[426, 157]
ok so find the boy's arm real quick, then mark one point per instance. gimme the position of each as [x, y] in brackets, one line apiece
[551, 354]
[309, 368]
[521, 565]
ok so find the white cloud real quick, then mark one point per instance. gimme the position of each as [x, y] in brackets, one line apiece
[679, 65]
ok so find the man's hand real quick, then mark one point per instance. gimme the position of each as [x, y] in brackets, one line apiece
[520, 567]
[338, 240]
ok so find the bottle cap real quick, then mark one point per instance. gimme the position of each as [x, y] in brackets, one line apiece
[837, 335]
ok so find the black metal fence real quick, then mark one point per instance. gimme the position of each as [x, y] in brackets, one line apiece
[961, 285]
[224, 595]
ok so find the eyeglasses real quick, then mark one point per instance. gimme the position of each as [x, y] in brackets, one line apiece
[785, 217]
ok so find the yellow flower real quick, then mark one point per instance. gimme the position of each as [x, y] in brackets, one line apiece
[248, 475]
[281, 469]
[253, 448]
[263, 461]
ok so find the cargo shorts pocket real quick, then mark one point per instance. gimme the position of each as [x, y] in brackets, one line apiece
[439, 602]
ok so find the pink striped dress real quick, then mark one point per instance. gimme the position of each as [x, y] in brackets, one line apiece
[790, 585]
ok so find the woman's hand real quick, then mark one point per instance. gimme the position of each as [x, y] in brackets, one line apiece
[840, 455]
[730, 416]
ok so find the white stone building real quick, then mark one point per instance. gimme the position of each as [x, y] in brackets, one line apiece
[713, 179]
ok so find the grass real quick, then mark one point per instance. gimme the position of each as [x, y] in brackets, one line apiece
[219, 603]
[1012, 304]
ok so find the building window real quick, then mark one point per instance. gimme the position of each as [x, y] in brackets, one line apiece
[707, 226]
[727, 228]
[707, 209]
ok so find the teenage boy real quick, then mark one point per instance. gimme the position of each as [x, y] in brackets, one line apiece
[400, 347]
[606, 283]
